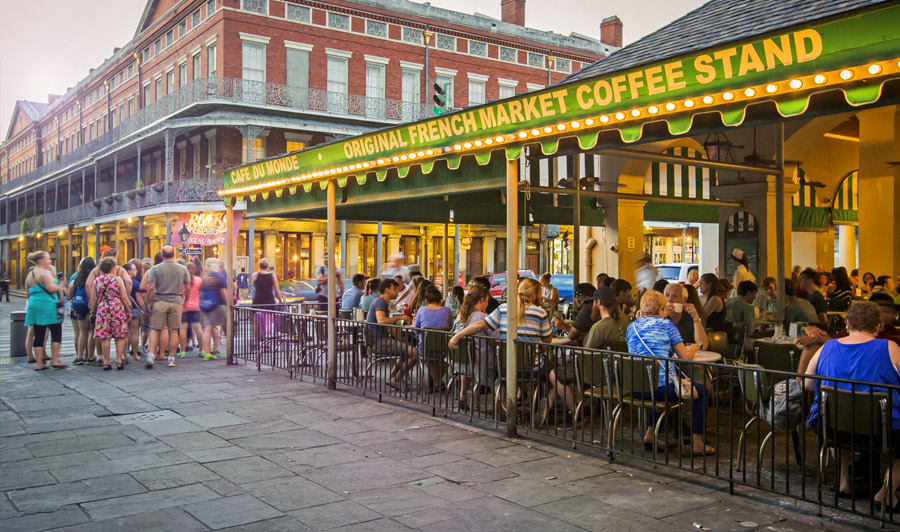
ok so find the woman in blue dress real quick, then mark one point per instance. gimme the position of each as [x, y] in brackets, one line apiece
[43, 295]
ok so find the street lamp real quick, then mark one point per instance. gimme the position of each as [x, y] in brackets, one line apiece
[184, 233]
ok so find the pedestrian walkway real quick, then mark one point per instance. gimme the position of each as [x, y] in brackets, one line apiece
[206, 446]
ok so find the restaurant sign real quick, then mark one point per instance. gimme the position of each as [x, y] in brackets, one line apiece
[204, 228]
[786, 68]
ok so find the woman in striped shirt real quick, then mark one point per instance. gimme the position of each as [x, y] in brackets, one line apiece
[532, 321]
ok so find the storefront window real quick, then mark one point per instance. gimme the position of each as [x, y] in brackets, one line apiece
[409, 247]
[368, 253]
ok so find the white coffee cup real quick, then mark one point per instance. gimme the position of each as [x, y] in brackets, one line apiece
[677, 307]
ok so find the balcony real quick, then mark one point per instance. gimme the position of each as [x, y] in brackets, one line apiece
[238, 91]
[155, 195]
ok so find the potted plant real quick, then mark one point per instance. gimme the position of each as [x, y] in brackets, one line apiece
[108, 199]
[24, 225]
[159, 186]
[38, 223]
[98, 202]
[139, 187]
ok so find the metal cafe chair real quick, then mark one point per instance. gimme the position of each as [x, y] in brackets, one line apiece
[374, 356]
[776, 356]
[527, 367]
[592, 374]
[855, 420]
[461, 362]
[639, 375]
[736, 335]
[756, 389]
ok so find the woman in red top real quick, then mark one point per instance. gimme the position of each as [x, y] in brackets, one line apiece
[190, 314]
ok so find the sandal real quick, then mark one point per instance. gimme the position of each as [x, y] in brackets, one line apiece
[106, 367]
[707, 451]
[648, 446]
[41, 369]
[119, 365]
[59, 366]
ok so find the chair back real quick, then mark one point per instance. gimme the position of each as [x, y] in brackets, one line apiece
[434, 341]
[756, 386]
[462, 354]
[620, 346]
[838, 304]
[780, 357]
[639, 375]
[735, 333]
[718, 342]
[861, 413]
[525, 358]
[591, 368]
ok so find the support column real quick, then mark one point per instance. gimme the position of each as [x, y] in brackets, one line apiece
[138, 178]
[251, 252]
[344, 261]
[168, 229]
[489, 250]
[115, 172]
[116, 245]
[576, 222]
[456, 255]
[331, 381]
[97, 242]
[84, 243]
[780, 215]
[625, 230]
[139, 248]
[229, 272]
[847, 247]
[170, 160]
[709, 248]
[352, 254]
[271, 242]
[445, 260]
[63, 266]
[393, 245]
[879, 190]
[379, 252]
[825, 249]
[512, 259]
[318, 248]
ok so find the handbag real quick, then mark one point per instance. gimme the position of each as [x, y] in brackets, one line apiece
[684, 388]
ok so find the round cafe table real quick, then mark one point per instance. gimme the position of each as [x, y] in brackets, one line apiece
[707, 356]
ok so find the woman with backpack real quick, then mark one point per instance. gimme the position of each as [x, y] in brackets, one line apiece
[80, 309]
[213, 294]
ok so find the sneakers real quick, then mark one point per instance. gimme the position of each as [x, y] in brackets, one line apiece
[171, 362]
[210, 356]
[202, 353]
[181, 354]
[148, 362]
[216, 353]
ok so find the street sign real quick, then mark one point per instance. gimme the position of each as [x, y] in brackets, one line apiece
[190, 251]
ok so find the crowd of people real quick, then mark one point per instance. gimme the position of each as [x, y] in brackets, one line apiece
[152, 310]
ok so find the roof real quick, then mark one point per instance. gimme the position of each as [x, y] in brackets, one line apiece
[719, 22]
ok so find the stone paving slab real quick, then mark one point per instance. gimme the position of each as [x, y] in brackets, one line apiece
[232, 511]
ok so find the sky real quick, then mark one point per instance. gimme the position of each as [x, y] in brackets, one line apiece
[49, 45]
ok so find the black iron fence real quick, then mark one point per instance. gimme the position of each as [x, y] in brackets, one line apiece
[739, 423]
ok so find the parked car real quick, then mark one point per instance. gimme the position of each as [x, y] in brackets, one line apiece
[564, 284]
[675, 272]
[498, 280]
[300, 291]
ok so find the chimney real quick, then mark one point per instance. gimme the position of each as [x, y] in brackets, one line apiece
[513, 11]
[611, 31]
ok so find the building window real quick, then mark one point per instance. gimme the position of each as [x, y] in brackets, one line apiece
[254, 62]
[195, 19]
[253, 6]
[146, 95]
[337, 84]
[182, 74]
[170, 82]
[195, 71]
[211, 154]
[130, 71]
[376, 29]
[211, 60]
[535, 60]
[211, 7]
[195, 158]
[375, 90]
[476, 92]
[298, 68]
[157, 47]
[509, 54]
[294, 145]
[562, 65]
[507, 90]
[446, 42]
[411, 94]
[182, 29]
[446, 81]
[158, 88]
[130, 106]
[338, 21]
[170, 38]
[298, 13]
[478, 48]
[259, 149]
[413, 35]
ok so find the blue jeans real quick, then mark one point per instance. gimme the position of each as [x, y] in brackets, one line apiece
[698, 405]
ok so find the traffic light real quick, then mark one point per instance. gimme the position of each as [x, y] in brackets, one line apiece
[440, 99]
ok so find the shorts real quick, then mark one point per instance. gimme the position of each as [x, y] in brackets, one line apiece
[190, 316]
[391, 347]
[214, 317]
[78, 315]
[244, 293]
[165, 315]
[135, 313]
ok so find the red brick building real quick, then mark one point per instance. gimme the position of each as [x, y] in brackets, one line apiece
[209, 84]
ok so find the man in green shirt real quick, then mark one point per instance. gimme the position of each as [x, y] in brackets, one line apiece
[740, 309]
[167, 283]
[797, 309]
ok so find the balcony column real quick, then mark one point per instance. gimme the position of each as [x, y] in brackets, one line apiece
[250, 134]
[83, 186]
[97, 242]
[168, 229]
[84, 243]
[139, 248]
[96, 178]
[170, 161]
[69, 193]
[139, 162]
[63, 266]
[115, 172]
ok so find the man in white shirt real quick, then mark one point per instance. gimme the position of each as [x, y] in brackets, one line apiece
[405, 293]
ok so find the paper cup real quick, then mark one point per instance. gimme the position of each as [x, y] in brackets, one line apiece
[677, 307]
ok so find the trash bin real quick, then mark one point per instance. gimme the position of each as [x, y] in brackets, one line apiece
[17, 333]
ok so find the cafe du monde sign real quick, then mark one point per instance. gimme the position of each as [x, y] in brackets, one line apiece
[801, 52]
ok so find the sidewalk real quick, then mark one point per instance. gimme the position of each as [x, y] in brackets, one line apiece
[208, 446]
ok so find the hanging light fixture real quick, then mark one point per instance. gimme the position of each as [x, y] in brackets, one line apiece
[719, 147]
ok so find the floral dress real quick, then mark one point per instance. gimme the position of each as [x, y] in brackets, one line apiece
[112, 321]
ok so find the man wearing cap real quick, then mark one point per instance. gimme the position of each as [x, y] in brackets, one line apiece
[610, 330]
[742, 269]
[583, 297]
[351, 297]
